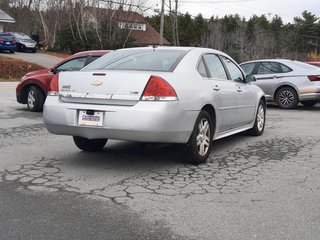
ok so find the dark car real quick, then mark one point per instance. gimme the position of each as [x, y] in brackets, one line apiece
[33, 87]
[24, 42]
[7, 42]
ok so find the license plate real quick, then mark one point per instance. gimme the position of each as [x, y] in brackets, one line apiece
[96, 119]
[8, 43]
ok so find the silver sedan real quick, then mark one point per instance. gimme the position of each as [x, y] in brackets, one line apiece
[156, 94]
[286, 82]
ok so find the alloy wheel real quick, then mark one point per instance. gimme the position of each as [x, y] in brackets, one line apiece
[260, 118]
[286, 98]
[31, 99]
[203, 137]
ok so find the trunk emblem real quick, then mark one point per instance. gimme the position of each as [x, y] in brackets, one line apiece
[96, 83]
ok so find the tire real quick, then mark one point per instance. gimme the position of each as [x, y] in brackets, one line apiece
[34, 51]
[260, 120]
[12, 51]
[200, 143]
[89, 145]
[35, 99]
[309, 103]
[287, 98]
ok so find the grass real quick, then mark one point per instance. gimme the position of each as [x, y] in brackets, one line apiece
[12, 70]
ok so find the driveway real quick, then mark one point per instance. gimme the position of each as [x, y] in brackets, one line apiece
[41, 59]
[265, 187]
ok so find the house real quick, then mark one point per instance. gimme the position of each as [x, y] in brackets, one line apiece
[140, 30]
[5, 18]
[142, 33]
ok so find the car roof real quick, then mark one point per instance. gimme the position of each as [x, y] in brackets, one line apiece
[91, 52]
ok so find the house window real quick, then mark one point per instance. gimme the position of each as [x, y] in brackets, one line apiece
[133, 26]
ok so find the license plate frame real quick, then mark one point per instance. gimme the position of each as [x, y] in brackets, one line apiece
[90, 120]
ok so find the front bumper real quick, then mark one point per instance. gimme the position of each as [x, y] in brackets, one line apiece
[143, 122]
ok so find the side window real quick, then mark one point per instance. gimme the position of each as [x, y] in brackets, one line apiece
[202, 69]
[91, 59]
[285, 69]
[234, 71]
[269, 68]
[72, 65]
[215, 66]
[248, 68]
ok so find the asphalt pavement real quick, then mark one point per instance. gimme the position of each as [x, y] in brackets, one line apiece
[265, 187]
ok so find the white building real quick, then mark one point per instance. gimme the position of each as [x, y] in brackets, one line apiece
[5, 18]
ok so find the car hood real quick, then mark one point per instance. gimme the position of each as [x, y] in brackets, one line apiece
[42, 71]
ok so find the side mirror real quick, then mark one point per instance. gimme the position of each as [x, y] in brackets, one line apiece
[53, 70]
[250, 78]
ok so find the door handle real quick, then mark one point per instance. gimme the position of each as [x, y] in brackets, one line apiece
[239, 89]
[216, 88]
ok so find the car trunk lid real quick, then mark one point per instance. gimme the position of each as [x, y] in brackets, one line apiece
[102, 87]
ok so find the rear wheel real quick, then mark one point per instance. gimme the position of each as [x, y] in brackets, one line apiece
[12, 51]
[309, 103]
[259, 123]
[89, 145]
[200, 142]
[35, 99]
[287, 98]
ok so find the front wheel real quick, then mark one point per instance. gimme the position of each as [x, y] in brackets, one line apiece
[200, 142]
[260, 120]
[35, 99]
[89, 145]
[309, 103]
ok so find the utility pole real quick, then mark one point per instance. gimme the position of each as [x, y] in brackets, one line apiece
[162, 23]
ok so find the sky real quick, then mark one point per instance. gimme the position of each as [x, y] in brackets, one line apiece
[286, 9]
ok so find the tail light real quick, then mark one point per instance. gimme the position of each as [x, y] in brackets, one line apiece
[54, 86]
[314, 78]
[14, 41]
[1, 41]
[158, 89]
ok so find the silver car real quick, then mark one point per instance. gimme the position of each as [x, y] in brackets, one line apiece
[286, 82]
[156, 94]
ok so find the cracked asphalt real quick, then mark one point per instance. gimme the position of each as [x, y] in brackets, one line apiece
[265, 187]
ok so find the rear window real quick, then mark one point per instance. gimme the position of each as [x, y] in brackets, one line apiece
[140, 60]
[6, 36]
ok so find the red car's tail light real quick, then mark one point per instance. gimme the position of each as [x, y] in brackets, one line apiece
[158, 89]
[314, 77]
[54, 86]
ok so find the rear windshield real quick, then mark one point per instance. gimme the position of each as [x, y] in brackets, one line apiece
[6, 36]
[21, 36]
[304, 65]
[140, 60]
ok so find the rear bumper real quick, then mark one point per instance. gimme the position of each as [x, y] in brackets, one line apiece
[143, 122]
[8, 48]
[309, 96]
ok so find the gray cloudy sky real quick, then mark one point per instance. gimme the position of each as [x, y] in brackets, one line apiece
[287, 9]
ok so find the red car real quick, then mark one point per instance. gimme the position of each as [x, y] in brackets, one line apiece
[314, 63]
[33, 87]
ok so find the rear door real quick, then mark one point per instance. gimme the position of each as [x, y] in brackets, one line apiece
[224, 92]
[268, 75]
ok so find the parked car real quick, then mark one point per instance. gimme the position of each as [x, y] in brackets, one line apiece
[314, 63]
[33, 87]
[7, 43]
[286, 82]
[156, 94]
[24, 42]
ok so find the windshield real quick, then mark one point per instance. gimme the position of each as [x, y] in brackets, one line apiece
[21, 36]
[140, 60]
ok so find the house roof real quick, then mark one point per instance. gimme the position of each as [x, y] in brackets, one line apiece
[140, 38]
[5, 17]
